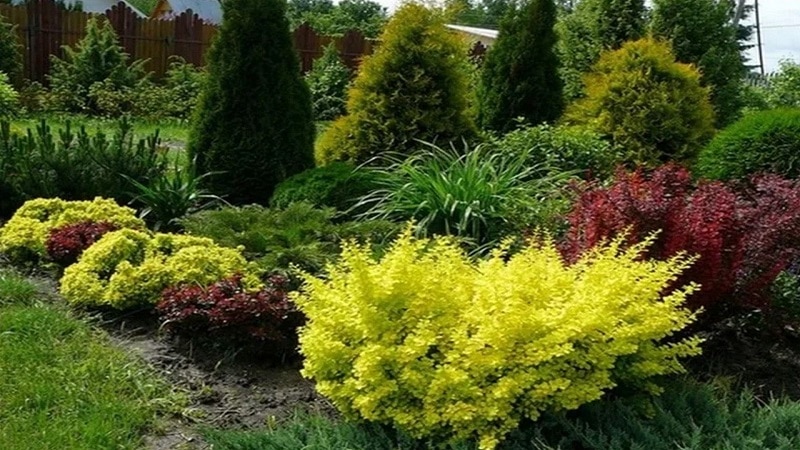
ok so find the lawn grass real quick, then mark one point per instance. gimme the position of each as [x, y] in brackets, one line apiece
[16, 290]
[63, 385]
[172, 131]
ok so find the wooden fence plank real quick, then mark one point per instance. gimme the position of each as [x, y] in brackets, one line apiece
[43, 27]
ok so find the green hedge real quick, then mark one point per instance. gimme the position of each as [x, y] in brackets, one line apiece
[765, 141]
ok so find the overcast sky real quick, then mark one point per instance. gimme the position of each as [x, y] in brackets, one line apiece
[780, 30]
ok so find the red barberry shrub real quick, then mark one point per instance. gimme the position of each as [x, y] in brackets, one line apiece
[65, 244]
[743, 234]
[227, 310]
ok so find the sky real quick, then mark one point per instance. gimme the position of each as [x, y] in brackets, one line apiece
[780, 30]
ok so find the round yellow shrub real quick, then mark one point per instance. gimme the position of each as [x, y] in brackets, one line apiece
[26, 232]
[129, 268]
[648, 104]
[438, 345]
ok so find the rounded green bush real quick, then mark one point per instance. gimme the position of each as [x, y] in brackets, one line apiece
[765, 141]
[8, 98]
[562, 149]
[337, 185]
[130, 268]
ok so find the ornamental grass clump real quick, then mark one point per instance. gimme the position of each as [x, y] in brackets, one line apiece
[25, 235]
[130, 268]
[477, 194]
[441, 346]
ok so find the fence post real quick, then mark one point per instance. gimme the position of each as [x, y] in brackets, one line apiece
[353, 47]
[307, 45]
[188, 35]
[124, 21]
[33, 9]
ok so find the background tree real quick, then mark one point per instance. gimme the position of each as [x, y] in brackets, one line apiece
[783, 89]
[702, 33]
[662, 114]
[620, 21]
[328, 81]
[520, 76]
[590, 27]
[413, 87]
[366, 16]
[299, 10]
[253, 120]
[10, 56]
[478, 13]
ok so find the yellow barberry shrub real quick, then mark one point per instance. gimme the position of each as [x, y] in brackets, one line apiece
[441, 346]
[25, 234]
[129, 268]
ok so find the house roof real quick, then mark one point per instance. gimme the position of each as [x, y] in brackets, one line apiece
[93, 6]
[482, 32]
[208, 10]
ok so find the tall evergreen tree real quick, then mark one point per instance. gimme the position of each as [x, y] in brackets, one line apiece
[253, 122]
[620, 21]
[414, 87]
[702, 33]
[520, 76]
[591, 27]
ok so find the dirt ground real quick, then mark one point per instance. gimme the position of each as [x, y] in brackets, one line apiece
[226, 390]
[766, 361]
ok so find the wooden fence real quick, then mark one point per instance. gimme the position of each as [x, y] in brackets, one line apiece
[44, 28]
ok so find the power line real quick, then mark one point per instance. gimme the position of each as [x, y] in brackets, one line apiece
[782, 26]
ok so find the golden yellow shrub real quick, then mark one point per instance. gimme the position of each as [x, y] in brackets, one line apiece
[439, 345]
[129, 268]
[26, 232]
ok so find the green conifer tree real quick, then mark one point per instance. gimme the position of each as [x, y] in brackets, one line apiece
[520, 76]
[328, 81]
[414, 87]
[620, 21]
[650, 106]
[702, 33]
[97, 58]
[253, 123]
[588, 29]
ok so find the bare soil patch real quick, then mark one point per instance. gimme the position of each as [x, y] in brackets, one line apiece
[227, 389]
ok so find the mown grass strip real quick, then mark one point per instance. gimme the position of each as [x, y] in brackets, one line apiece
[63, 385]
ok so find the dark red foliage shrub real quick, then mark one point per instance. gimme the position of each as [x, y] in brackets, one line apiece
[744, 234]
[65, 244]
[226, 310]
